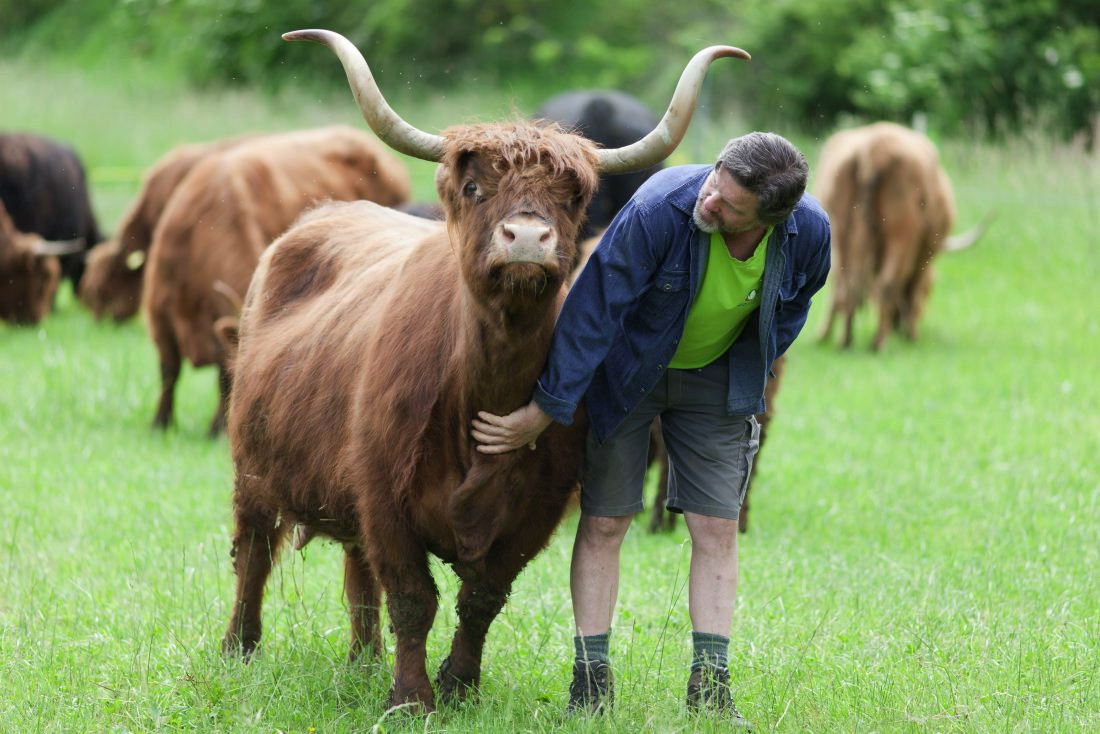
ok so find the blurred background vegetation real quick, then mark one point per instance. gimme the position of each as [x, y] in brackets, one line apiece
[988, 67]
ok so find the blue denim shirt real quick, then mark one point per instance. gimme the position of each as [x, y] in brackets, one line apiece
[622, 321]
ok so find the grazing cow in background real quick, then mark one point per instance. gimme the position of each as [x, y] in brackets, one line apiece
[112, 279]
[230, 207]
[45, 191]
[29, 272]
[891, 207]
[368, 342]
[612, 119]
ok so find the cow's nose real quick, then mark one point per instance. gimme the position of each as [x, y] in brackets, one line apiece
[527, 241]
[519, 234]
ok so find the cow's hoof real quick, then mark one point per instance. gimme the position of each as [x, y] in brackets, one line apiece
[239, 646]
[452, 688]
[411, 707]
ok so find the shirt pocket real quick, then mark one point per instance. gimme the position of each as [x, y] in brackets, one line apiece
[789, 288]
[667, 296]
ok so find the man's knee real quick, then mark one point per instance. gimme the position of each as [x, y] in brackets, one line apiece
[601, 529]
[712, 533]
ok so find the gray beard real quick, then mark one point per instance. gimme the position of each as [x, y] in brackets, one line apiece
[712, 228]
[698, 219]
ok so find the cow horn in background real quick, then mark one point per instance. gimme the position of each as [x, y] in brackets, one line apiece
[961, 241]
[659, 144]
[386, 124]
[47, 248]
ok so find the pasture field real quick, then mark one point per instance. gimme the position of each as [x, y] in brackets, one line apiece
[924, 549]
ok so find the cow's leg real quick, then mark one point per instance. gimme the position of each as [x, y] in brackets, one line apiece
[255, 546]
[826, 331]
[168, 353]
[400, 563]
[478, 605]
[914, 300]
[887, 293]
[217, 425]
[364, 603]
[658, 518]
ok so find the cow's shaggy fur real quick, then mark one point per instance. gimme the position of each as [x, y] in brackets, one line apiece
[891, 207]
[224, 213]
[28, 280]
[44, 189]
[112, 279]
[368, 341]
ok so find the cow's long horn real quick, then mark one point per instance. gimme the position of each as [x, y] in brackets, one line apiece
[663, 139]
[45, 248]
[963, 240]
[387, 125]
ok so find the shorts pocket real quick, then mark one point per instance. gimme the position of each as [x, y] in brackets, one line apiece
[752, 447]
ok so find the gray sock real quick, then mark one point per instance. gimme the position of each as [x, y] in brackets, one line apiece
[593, 647]
[709, 649]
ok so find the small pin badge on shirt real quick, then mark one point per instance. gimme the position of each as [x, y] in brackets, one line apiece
[752, 295]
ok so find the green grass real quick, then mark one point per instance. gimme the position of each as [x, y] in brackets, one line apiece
[923, 552]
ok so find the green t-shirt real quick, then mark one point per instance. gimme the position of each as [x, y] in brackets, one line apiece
[730, 293]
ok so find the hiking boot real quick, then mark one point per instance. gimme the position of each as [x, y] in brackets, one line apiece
[593, 688]
[709, 690]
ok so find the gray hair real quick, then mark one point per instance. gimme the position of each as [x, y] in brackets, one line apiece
[770, 168]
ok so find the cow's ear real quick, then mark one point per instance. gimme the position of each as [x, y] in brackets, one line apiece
[442, 179]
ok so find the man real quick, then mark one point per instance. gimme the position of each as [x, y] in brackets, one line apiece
[700, 282]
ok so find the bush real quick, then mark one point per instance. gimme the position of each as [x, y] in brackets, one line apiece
[993, 65]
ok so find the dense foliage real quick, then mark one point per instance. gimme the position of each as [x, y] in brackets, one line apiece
[986, 65]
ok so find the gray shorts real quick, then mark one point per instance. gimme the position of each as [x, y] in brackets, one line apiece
[710, 453]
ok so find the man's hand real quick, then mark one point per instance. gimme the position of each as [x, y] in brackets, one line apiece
[498, 434]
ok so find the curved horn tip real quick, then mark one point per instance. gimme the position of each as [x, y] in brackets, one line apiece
[307, 34]
[732, 51]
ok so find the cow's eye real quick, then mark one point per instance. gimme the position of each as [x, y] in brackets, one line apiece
[471, 191]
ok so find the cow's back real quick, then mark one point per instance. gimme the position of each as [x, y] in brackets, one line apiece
[234, 203]
[113, 279]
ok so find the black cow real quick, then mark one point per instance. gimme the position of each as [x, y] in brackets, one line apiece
[614, 120]
[44, 189]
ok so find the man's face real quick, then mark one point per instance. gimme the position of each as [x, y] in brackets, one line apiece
[724, 205]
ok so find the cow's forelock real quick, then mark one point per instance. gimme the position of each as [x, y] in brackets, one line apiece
[491, 174]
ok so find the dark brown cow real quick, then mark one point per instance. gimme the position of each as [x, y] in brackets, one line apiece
[369, 340]
[891, 207]
[230, 207]
[112, 279]
[45, 191]
[29, 272]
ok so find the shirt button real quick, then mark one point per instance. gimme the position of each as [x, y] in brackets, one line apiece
[668, 286]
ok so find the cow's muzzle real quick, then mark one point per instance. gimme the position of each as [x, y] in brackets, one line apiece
[525, 239]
